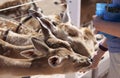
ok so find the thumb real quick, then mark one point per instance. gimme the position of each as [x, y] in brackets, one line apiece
[93, 66]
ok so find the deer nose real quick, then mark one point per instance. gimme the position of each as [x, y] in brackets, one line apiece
[56, 3]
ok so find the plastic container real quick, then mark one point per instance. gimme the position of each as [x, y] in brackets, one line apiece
[100, 9]
[112, 16]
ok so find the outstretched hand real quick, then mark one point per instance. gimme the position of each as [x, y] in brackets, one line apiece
[92, 66]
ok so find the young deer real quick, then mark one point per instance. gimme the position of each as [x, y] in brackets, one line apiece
[14, 12]
[14, 26]
[79, 40]
[55, 61]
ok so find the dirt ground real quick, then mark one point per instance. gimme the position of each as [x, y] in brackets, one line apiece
[47, 6]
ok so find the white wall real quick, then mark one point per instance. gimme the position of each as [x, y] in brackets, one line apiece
[74, 10]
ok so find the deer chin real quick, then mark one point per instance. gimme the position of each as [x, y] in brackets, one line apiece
[55, 61]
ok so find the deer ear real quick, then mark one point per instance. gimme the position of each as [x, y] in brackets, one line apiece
[48, 24]
[88, 34]
[40, 45]
[29, 54]
[54, 61]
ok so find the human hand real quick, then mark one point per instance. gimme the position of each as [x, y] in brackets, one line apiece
[92, 66]
[95, 61]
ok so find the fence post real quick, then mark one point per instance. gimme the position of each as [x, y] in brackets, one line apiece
[74, 11]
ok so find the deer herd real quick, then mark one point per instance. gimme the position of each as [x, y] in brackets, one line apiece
[42, 44]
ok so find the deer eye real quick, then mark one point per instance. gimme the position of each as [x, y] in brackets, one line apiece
[82, 60]
[54, 23]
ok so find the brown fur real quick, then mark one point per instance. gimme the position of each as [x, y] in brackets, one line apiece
[79, 40]
[40, 66]
[70, 62]
[82, 40]
[12, 25]
[15, 11]
[11, 50]
[50, 39]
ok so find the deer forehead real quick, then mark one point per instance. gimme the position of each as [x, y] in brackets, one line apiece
[61, 52]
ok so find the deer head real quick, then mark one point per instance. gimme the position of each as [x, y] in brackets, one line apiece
[56, 57]
[42, 58]
[49, 38]
[71, 34]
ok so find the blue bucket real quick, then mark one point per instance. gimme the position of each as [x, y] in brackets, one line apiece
[100, 9]
[112, 16]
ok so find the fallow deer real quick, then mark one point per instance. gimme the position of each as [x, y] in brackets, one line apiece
[79, 40]
[57, 61]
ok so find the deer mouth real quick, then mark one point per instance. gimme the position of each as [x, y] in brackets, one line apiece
[83, 65]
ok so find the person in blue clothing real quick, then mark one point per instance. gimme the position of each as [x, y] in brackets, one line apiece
[111, 44]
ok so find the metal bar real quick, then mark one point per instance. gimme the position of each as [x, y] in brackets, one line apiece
[20, 5]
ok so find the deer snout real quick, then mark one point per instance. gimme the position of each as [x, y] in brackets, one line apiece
[85, 62]
[56, 2]
[86, 66]
[88, 62]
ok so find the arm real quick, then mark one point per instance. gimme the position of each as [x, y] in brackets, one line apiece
[109, 27]
[98, 55]
[96, 58]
